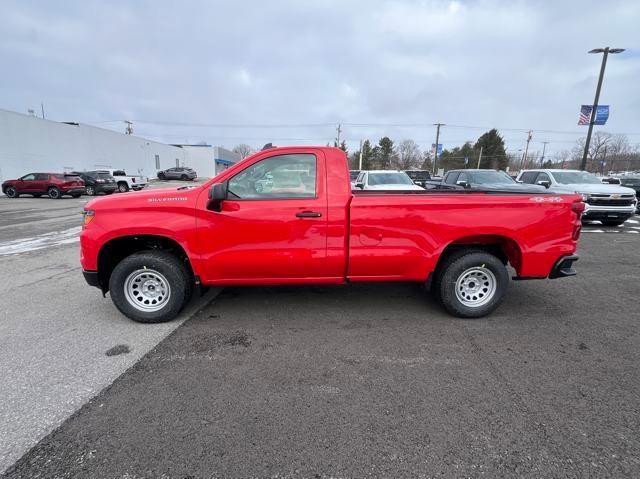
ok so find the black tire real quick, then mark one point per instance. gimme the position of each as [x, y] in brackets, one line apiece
[184, 177]
[123, 187]
[11, 192]
[161, 262]
[476, 266]
[54, 193]
[161, 176]
[90, 190]
[612, 222]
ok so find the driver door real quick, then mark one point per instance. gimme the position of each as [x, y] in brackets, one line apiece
[26, 184]
[272, 228]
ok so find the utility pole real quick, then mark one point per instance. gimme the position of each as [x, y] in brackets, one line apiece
[479, 158]
[435, 161]
[338, 131]
[606, 51]
[544, 148]
[526, 150]
[129, 128]
[360, 160]
[42, 107]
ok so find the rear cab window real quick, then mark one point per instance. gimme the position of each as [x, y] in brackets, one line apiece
[529, 177]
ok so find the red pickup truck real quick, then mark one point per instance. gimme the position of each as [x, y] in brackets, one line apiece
[289, 216]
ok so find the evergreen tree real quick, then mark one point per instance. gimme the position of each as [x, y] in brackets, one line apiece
[384, 153]
[494, 155]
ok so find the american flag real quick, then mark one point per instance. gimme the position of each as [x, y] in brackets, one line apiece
[585, 115]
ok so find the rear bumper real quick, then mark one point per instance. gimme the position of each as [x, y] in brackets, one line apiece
[74, 191]
[108, 187]
[564, 267]
[91, 277]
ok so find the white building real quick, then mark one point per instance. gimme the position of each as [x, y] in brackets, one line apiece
[30, 144]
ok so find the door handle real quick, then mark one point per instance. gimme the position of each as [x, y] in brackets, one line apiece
[308, 214]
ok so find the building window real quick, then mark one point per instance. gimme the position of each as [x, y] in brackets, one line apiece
[177, 163]
[157, 162]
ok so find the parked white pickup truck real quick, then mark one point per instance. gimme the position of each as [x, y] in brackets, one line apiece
[127, 182]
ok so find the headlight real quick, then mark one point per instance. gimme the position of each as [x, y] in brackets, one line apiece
[585, 197]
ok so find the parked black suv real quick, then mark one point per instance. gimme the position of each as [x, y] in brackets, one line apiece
[632, 182]
[97, 182]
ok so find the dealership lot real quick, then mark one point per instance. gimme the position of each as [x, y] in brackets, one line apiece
[326, 381]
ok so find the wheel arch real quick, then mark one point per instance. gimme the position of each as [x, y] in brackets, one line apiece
[503, 247]
[116, 249]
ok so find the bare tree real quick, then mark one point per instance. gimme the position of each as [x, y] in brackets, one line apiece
[408, 156]
[243, 150]
[600, 143]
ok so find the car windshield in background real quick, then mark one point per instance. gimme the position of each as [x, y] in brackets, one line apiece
[353, 175]
[575, 177]
[630, 181]
[419, 175]
[491, 178]
[389, 179]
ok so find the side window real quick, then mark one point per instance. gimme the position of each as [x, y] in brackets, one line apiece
[282, 176]
[543, 177]
[451, 178]
[29, 177]
[529, 177]
[42, 177]
[360, 178]
[463, 177]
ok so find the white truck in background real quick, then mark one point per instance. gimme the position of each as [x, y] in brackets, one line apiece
[127, 182]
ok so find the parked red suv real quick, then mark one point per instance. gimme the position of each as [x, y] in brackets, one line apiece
[37, 184]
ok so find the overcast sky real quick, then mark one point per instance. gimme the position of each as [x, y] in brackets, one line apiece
[182, 70]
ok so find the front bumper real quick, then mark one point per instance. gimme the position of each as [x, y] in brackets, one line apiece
[91, 277]
[564, 267]
[608, 212]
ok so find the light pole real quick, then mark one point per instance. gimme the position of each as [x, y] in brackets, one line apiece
[606, 52]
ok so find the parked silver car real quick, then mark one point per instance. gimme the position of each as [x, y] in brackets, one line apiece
[178, 173]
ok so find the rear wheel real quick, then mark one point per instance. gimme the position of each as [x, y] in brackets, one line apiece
[11, 192]
[54, 193]
[90, 190]
[612, 222]
[149, 287]
[184, 177]
[123, 187]
[473, 284]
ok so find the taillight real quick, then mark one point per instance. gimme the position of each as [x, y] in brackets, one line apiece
[577, 207]
[133, 180]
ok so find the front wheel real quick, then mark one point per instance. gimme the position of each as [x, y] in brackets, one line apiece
[612, 222]
[149, 287]
[184, 177]
[161, 176]
[90, 191]
[54, 193]
[11, 192]
[472, 285]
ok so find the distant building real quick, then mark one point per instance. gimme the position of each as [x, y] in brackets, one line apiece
[31, 144]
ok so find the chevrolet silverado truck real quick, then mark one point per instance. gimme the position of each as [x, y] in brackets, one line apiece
[151, 250]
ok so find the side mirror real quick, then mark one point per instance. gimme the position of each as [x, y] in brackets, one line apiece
[544, 183]
[217, 194]
[360, 185]
[463, 183]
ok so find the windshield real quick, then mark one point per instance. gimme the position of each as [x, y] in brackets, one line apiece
[353, 175]
[418, 175]
[119, 173]
[630, 181]
[391, 178]
[491, 178]
[574, 177]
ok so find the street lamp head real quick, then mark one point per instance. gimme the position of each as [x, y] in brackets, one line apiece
[611, 50]
[597, 50]
[616, 50]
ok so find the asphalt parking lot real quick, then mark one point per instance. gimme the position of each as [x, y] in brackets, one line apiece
[355, 381]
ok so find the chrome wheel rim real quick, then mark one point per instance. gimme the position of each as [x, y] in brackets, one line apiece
[90, 190]
[476, 286]
[53, 193]
[147, 290]
[122, 188]
[11, 192]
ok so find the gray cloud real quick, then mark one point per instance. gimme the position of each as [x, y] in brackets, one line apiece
[487, 63]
